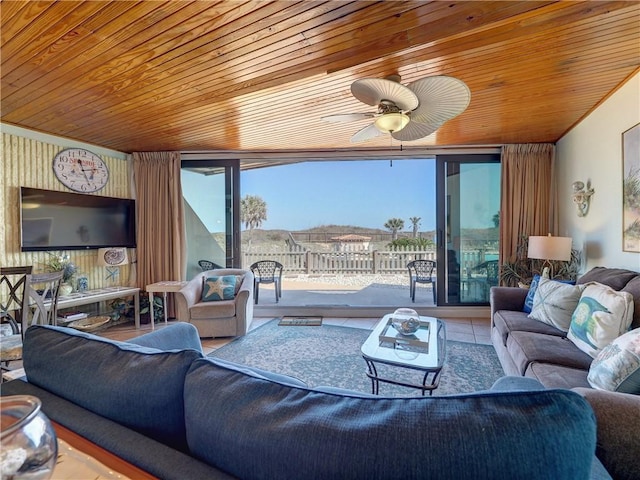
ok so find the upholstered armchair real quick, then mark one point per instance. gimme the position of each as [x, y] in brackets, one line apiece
[219, 318]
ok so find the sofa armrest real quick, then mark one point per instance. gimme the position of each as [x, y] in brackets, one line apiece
[244, 303]
[507, 298]
[178, 336]
[618, 429]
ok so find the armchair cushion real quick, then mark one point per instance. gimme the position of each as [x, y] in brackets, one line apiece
[218, 288]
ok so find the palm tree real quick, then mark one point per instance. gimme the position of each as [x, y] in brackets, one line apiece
[415, 221]
[253, 211]
[394, 224]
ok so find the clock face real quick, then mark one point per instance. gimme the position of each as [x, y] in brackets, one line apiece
[80, 170]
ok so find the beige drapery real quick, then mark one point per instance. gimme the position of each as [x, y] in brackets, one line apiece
[527, 200]
[161, 246]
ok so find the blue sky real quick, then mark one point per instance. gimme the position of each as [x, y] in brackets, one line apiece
[360, 193]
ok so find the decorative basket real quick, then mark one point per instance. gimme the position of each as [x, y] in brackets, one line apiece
[89, 324]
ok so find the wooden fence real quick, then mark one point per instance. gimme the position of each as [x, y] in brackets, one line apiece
[300, 260]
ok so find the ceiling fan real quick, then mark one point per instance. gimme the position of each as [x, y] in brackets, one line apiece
[406, 112]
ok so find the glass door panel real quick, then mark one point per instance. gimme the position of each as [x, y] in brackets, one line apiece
[211, 223]
[469, 194]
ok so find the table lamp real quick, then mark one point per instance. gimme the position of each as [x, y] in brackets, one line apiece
[549, 248]
[112, 258]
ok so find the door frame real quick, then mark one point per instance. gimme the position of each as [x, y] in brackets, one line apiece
[441, 221]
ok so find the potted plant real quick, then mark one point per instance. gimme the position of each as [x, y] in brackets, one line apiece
[520, 271]
[125, 308]
[62, 263]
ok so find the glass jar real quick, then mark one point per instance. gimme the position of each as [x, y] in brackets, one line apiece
[28, 443]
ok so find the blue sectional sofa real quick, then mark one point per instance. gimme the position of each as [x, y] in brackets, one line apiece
[159, 404]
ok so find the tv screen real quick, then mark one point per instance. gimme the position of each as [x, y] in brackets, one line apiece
[51, 220]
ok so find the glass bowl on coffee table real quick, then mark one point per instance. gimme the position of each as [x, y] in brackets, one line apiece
[424, 351]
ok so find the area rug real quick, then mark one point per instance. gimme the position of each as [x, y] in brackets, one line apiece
[330, 356]
[300, 322]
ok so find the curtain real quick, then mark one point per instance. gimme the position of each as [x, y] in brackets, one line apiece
[161, 245]
[527, 202]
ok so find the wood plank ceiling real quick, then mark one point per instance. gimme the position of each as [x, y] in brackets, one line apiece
[259, 75]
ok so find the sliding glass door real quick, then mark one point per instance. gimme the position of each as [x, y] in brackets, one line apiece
[212, 214]
[468, 191]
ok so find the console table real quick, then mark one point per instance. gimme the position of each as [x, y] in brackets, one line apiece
[99, 295]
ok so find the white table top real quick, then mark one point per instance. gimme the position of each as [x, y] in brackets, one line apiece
[166, 286]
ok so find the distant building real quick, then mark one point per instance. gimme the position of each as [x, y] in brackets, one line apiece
[351, 243]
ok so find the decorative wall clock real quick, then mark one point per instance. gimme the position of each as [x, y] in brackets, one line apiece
[80, 170]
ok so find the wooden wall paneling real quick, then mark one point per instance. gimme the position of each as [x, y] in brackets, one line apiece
[28, 162]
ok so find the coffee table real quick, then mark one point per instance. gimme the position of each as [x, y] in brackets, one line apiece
[424, 351]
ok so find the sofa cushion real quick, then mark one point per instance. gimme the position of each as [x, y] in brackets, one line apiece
[554, 303]
[528, 347]
[601, 316]
[617, 366]
[615, 278]
[208, 310]
[633, 287]
[139, 387]
[557, 376]
[506, 321]
[218, 288]
[155, 458]
[263, 430]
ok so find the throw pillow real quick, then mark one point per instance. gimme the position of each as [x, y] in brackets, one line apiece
[218, 288]
[602, 315]
[528, 302]
[554, 303]
[617, 366]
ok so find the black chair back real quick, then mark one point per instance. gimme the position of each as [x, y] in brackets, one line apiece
[208, 265]
[13, 282]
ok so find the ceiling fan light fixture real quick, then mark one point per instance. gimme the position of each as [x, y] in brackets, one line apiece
[391, 122]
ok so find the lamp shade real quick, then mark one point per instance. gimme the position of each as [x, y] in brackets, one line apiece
[391, 122]
[110, 257]
[550, 248]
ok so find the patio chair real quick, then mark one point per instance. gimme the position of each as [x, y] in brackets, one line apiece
[39, 307]
[208, 265]
[421, 271]
[490, 270]
[267, 271]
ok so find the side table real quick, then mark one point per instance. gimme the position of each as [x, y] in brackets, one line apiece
[164, 288]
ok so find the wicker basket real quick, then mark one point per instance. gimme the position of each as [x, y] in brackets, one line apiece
[89, 324]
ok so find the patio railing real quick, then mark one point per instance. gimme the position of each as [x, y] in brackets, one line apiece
[301, 260]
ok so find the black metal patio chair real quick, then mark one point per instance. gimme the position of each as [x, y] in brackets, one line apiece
[208, 265]
[421, 271]
[267, 271]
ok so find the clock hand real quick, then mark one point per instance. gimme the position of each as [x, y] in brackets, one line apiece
[85, 170]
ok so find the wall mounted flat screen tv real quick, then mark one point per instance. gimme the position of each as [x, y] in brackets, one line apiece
[51, 220]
